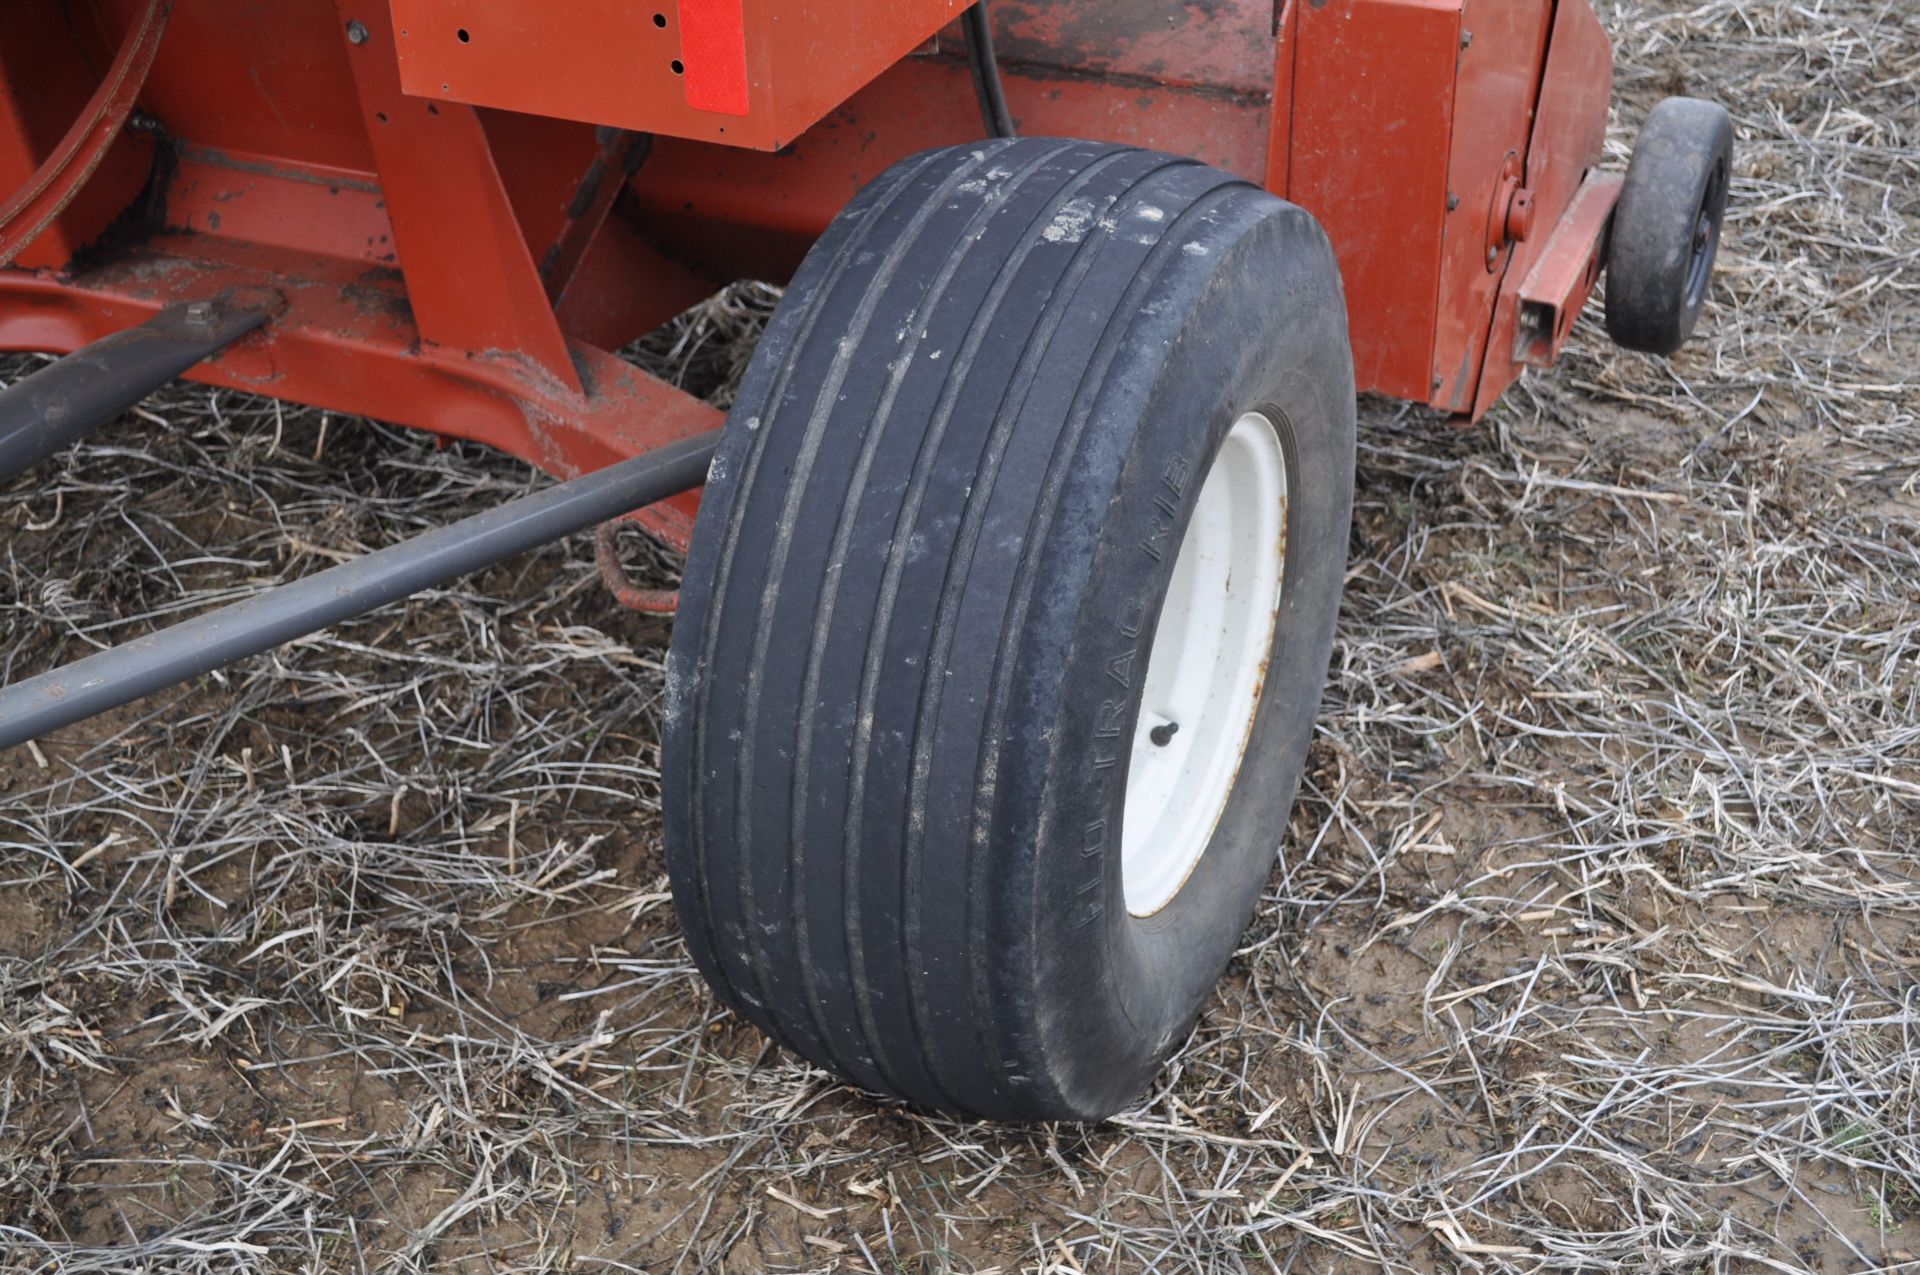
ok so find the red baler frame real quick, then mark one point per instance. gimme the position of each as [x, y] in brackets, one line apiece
[445, 252]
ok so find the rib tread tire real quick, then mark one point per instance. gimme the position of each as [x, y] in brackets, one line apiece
[894, 452]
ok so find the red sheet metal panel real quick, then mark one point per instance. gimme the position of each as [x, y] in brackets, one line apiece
[1568, 139]
[266, 79]
[1223, 46]
[1370, 130]
[754, 215]
[680, 68]
[1440, 142]
[1286, 27]
[468, 267]
[325, 212]
[1504, 43]
[67, 167]
[35, 205]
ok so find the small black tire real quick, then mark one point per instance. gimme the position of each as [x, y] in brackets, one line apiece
[933, 547]
[1666, 230]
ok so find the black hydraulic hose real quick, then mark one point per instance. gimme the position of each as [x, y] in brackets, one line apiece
[65, 401]
[986, 72]
[127, 672]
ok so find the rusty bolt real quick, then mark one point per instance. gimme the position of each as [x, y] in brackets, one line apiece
[356, 33]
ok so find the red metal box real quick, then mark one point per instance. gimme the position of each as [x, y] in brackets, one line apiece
[751, 73]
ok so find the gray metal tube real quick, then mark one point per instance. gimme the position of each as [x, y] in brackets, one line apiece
[125, 673]
[71, 397]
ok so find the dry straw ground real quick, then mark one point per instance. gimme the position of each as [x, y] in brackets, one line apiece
[1591, 946]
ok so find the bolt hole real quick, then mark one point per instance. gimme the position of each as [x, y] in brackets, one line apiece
[679, 67]
[660, 20]
[464, 37]
[381, 116]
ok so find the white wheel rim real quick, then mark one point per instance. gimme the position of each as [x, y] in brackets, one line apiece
[1206, 666]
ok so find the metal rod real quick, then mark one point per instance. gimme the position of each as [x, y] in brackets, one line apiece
[118, 676]
[68, 399]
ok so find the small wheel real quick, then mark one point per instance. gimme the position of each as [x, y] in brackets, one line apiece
[1666, 231]
[1006, 620]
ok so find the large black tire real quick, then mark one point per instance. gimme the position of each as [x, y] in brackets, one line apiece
[931, 554]
[1666, 231]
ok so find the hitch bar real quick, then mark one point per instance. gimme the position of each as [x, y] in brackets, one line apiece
[71, 397]
[138, 668]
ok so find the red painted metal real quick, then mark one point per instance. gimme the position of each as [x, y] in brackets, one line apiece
[1440, 142]
[613, 574]
[1504, 43]
[602, 307]
[302, 209]
[459, 247]
[621, 154]
[469, 272]
[1278, 175]
[751, 73]
[1564, 147]
[1223, 47]
[31, 208]
[754, 215]
[1558, 286]
[1370, 133]
[50, 77]
[346, 343]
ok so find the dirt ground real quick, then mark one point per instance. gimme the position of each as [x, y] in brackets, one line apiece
[1592, 944]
